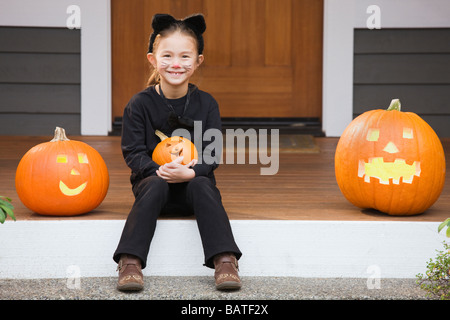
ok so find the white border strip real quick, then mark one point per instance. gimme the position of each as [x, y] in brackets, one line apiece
[324, 249]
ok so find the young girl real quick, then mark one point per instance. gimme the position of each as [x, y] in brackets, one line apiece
[171, 102]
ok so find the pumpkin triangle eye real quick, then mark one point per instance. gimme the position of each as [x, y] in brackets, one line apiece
[391, 148]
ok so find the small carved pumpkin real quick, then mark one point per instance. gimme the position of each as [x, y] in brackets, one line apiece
[62, 177]
[171, 148]
[391, 161]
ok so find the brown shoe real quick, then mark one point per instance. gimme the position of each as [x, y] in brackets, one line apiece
[130, 274]
[226, 274]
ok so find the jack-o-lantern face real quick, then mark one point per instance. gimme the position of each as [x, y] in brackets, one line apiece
[82, 159]
[171, 148]
[175, 147]
[62, 177]
[391, 161]
[396, 171]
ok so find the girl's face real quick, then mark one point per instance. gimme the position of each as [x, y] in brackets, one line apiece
[176, 59]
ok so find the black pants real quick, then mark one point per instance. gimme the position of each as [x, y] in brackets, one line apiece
[154, 196]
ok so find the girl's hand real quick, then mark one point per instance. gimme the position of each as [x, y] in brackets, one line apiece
[175, 172]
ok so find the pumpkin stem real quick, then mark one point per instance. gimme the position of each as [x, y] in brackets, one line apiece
[161, 135]
[395, 105]
[60, 135]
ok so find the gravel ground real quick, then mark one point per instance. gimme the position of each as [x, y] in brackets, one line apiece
[202, 288]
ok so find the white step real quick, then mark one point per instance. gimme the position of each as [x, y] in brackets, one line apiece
[322, 249]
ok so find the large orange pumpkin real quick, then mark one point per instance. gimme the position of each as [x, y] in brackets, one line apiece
[391, 161]
[62, 177]
[171, 148]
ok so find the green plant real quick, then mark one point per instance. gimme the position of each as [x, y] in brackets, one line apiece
[446, 223]
[6, 209]
[437, 277]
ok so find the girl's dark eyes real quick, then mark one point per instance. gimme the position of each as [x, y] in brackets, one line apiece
[169, 56]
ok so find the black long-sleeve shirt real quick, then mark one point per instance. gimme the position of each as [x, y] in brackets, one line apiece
[147, 112]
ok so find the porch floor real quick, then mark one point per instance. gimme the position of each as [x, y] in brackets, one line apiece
[304, 187]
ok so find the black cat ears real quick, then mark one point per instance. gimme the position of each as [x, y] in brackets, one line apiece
[195, 22]
[162, 22]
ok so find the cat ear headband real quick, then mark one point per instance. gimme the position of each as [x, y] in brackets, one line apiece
[162, 22]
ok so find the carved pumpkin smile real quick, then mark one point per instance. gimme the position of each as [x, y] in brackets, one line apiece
[71, 192]
[383, 171]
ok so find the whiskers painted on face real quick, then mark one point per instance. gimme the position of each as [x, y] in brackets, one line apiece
[187, 67]
[165, 65]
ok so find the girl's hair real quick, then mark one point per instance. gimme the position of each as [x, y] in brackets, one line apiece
[154, 74]
[165, 25]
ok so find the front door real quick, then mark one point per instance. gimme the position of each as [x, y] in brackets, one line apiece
[263, 58]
